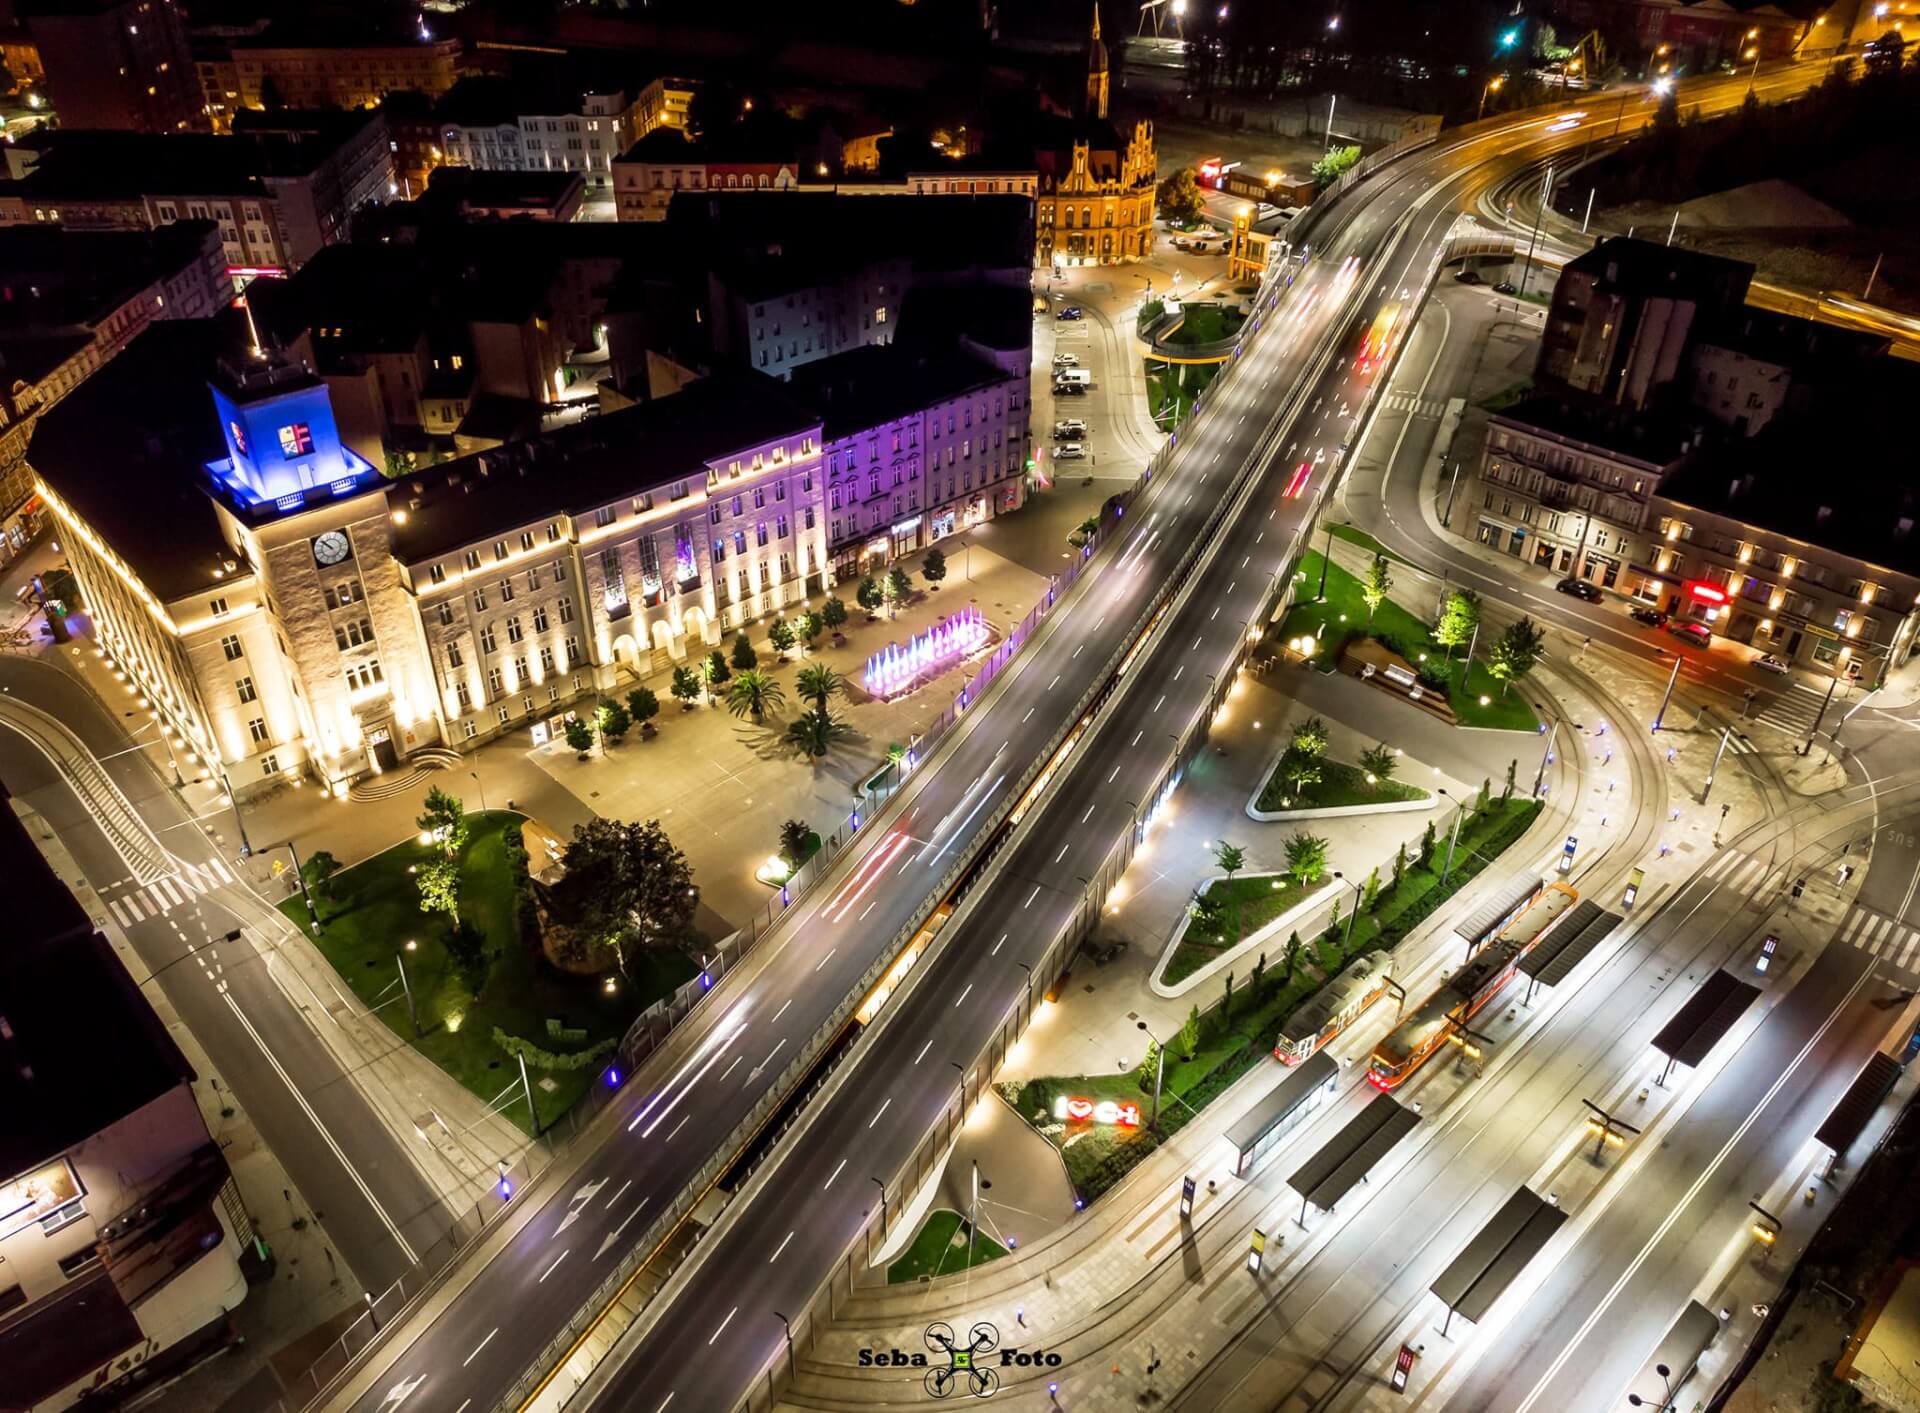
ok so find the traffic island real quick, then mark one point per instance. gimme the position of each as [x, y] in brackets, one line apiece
[1319, 629]
[454, 993]
[1229, 915]
[943, 1245]
[1336, 789]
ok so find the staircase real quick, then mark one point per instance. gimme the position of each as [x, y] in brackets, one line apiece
[394, 782]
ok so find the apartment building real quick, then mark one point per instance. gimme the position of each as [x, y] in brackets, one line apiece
[121, 1231]
[919, 445]
[121, 64]
[550, 120]
[296, 64]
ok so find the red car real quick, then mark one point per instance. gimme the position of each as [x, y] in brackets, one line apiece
[1698, 634]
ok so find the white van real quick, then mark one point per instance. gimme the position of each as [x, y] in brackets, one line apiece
[1072, 377]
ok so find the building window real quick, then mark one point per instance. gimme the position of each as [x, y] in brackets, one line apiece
[488, 643]
[453, 655]
[504, 715]
[513, 629]
[230, 645]
[446, 612]
[469, 730]
[479, 600]
[546, 662]
[217, 607]
[565, 605]
[493, 682]
[270, 764]
[437, 573]
[506, 591]
[257, 728]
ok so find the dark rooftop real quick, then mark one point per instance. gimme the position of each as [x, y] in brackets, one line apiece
[769, 243]
[478, 100]
[1646, 266]
[864, 387]
[591, 463]
[128, 447]
[1658, 437]
[53, 278]
[80, 164]
[81, 1048]
[999, 317]
[464, 189]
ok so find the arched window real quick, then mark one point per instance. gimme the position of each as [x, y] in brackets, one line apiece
[1086, 217]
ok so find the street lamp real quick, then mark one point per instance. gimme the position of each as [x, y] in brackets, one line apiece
[787, 1325]
[1666, 1401]
[1159, 1068]
[1493, 85]
[313, 915]
[1359, 897]
[1460, 813]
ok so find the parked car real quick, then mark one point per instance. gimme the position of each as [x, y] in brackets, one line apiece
[1105, 950]
[1072, 311]
[1579, 588]
[1069, 389]
[1069, 451]
[1697, 634]
[1066, 360]
[1505, 287]
[1652, 617]
[1069, 429]
[1069, 376]
[1469, 277]
[1767, 662]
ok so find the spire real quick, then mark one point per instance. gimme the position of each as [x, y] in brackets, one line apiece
[1096, 19]
[1096, 100]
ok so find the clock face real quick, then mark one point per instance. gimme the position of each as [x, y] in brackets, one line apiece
[330, 548]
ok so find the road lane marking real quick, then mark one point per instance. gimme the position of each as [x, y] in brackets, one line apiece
[1030, 897]
[677, 1127]
[923, 1052]
[730, 1068]
[550, 1270]
[1001, 943]
[723, 1325]
[480, 1346]
[831, 950]
[615, 1234]
[836, 1173]
[876, 1118]
[963, 995]
[778, 1249]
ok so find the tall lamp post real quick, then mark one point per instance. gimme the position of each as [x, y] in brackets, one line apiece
[1359, 896]
[1493, 85]
[1459, 813]
[1159, 1068]
[313, 915]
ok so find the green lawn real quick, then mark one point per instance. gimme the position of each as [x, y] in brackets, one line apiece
[942, 1248]
[1339, 785]
[1367, 543]
[1098, 1156]
[1176, 385]
[1506, 397]
[1206, 323]
[1261, 897]
[1344, 616]
[372, 910]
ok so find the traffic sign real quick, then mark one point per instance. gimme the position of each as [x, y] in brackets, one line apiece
[1566, 854]
[1257, 1250]
[1186, 1197]
[1634, 882]
[1403, 1367]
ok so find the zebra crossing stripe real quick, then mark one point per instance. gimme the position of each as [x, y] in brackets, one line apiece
[1852, 929]
[1719, 865]
[221, 869]
[1906, 949]
[162, 892]
[120, 912]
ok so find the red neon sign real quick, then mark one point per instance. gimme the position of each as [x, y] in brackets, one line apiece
[1074, 1109]
[1709, 593]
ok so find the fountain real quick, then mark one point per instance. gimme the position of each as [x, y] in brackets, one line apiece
[894, 669]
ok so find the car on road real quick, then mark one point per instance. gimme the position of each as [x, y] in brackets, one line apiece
[1066, 360]
[1505, 287]
[1698, 634]
[1069, 389]
[1580, 589]
[1652, 617]
[1470, 277]
[1069, 451]
[1767, 662]
[1069, 429]
[1070, 377]
[1071, 311]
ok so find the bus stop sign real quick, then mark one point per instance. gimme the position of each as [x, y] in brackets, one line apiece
[1566, 854]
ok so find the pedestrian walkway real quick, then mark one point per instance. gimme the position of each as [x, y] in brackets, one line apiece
[1414, 404]
[157, 899]
[1792, 709]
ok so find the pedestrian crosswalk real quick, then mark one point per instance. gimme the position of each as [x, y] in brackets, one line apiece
[162, 896]
[1418, 406]
[1792, 709]
[1873, 932]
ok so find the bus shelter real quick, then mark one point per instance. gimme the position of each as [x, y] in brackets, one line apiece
[1305, 1089]
[1556, 955]
[1347, 1157]
[1706, 1016]
[1481, 1273]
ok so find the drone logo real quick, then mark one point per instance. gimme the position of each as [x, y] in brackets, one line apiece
[961, 1373]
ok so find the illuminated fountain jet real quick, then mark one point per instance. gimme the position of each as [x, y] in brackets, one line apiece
[895, 668]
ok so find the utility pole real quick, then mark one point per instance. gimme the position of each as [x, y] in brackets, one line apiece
[1873, 275]
[1446, 520]
[1546, 195]
[407, 988]
[1822, 716]
[1672, 677]
[1707, 789]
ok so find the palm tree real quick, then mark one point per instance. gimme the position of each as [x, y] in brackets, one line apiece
[751, 692]
[813, 733]
[818, 682]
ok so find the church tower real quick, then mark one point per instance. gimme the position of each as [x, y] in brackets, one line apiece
[1096, 70]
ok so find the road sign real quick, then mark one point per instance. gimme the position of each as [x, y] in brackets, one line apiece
[1566, 854]
[1767, 949]
[1634, 882]
[1257, 1250]
[1186, 1197]
[1403, 1366]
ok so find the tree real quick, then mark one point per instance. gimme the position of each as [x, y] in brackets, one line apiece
[1299, 772]
[780, 636]
[934, 567]
[614, 721]
[717, 670]
[643, 705]
[869, 596]
[439, 883]
[1336, 164]
[1506, 791]
[1310, 738]
[317, 871]
[807, 628]
[445, 819]
[629, 886]
[1148, 1064]
[1189, 1038]
[1306, 858]
[1089, 527]
[834, 614]
[467, 949]
[794, 837]
[1379, 761]
[686, 687]
[399, 463]
[1207, 919]
[1426, 845]
[580, 735]
[1178, 198]
[1486, 794]
[813, 733]
[1399, 863]
[1333, 926]
[1379, 581]
[744, 657]
[1293, 956]
[818, 683]
[898, 587]
[1371, 893]
[1259, 969]
[1459, 616]
[1226, 1002]
[1231, 859]
[752, 692]
[1516, 652]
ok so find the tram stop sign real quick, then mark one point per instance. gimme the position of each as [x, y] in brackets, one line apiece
[1566, 854]
[1403, 1367]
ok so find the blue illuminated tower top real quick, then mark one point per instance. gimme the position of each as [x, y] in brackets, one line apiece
[283, 448]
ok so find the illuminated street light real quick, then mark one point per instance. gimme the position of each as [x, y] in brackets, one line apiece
[1509, 39]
